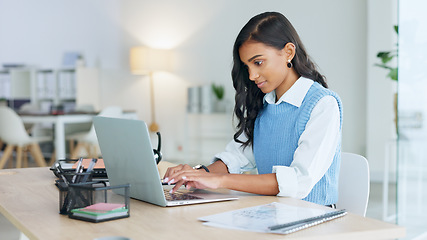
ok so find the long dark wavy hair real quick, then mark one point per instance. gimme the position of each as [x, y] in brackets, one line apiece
[274, 30]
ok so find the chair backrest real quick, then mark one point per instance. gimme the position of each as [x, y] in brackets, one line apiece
[12, 130]
[84, 108]
[353, 188]
[112, 111]
[28, 107]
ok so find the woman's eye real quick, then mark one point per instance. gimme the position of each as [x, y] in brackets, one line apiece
[258, 63]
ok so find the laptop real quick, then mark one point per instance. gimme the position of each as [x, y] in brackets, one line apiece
[128, 157]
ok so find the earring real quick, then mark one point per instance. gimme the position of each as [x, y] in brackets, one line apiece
[289, 64]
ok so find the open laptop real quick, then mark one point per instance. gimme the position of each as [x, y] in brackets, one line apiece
[128, 156]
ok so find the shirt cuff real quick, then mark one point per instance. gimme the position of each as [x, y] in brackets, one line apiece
[287, 181]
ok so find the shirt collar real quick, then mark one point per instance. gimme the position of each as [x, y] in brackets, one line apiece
[295, 95]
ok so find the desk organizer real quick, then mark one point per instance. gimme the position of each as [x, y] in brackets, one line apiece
[63, 185]
[63, 166]
[94, 201]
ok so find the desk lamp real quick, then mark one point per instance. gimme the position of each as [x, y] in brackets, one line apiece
[145, 61]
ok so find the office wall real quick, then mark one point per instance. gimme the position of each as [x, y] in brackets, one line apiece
[201, 33]
[381, 128]
[39, 32]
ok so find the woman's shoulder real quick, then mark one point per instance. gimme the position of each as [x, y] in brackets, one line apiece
[317, 91]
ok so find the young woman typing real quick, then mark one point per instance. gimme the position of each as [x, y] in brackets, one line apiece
[289, 123]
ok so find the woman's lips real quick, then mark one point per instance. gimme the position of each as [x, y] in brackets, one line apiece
[259, 85]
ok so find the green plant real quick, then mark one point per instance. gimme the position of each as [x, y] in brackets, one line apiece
[218, 91]
[386, 57]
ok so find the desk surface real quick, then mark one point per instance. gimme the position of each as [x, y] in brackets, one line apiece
[29, 199]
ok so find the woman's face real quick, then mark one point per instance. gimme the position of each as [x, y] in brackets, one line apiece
[267, 66]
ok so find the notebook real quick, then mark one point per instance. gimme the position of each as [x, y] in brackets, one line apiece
[275, 217]
[128, 157]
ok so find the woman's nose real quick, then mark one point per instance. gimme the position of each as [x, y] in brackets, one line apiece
[253, 75]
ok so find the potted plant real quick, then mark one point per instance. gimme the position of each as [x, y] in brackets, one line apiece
[386, 63]
[219, 94]
[386, 57]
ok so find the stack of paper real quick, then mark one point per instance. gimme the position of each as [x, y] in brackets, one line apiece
[272, 218]
[101, 211]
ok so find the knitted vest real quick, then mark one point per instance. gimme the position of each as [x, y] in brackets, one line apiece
[276, 134]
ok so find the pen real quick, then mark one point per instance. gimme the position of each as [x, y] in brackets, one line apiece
[65, 179]
[309, 221]
[79, 163]
[78, 174]
[89, 169]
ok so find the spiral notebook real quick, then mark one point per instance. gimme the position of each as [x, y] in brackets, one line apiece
[273, 218]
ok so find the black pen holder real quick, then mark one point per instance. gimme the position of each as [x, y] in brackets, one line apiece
[63, 195]
[67, 178]
[97, 202]
[72, 177]
[67, 197]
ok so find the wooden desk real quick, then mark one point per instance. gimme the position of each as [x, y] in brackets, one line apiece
[29, 199]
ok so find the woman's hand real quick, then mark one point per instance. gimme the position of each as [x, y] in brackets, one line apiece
[186, 175]
[173, 170]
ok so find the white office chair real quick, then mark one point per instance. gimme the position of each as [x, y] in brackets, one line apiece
[353, 188]
[87, 108]
[88, 140]
[13, 133]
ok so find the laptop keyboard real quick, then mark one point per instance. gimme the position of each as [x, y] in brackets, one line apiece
[178, 196]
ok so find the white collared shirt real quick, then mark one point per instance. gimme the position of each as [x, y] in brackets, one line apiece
[316, 146]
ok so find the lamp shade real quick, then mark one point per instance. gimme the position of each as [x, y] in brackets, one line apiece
[144, 60]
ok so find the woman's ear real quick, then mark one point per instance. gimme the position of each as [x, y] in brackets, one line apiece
[289, 50]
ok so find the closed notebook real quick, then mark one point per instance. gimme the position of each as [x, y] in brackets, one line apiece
[103, 207]
[102, 216]
[101, 211]
[272, 218]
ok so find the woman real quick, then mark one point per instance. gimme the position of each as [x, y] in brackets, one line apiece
[289, 123]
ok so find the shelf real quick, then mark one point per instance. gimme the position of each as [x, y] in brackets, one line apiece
[38, 85]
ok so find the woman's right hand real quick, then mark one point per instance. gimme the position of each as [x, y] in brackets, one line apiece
[174, 176]
[174, 170]
[186, 175]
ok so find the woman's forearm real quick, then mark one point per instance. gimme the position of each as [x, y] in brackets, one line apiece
[218, 167]
[265, 184]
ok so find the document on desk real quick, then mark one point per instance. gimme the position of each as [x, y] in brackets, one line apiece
[272, 218]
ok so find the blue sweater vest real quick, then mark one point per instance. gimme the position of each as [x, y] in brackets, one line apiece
[276, 134]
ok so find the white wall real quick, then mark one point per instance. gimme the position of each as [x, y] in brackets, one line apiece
[39, 32]
[381, 128]
[201, 33]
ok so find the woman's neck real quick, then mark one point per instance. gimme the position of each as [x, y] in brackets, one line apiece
[287, 84]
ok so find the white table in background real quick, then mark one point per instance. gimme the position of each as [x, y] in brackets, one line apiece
[59, 122]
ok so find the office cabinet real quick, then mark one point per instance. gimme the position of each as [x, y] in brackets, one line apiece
[15, 85]
[50, 87]
[43, 87]
[54, 87]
